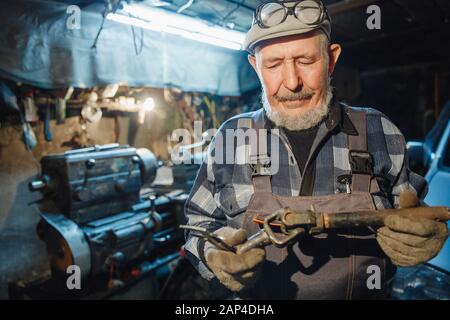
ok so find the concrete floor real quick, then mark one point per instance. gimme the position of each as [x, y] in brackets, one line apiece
[22, 254]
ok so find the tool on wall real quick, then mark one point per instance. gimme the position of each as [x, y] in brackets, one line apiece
[47, 117]
[10, 100]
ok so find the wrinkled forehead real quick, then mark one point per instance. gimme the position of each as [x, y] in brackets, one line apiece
[303, 44]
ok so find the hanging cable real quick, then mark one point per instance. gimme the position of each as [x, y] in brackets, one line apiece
[137, 50]
[111, 6]
[94, 45]
[185, 6]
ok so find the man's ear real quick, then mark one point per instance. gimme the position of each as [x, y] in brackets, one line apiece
[252, 61]
[334, 51]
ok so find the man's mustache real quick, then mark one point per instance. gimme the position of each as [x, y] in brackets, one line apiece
[294, 96]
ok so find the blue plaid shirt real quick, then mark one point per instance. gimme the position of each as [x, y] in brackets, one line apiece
[221, 192]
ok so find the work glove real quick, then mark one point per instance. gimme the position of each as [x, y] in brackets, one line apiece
[408, 240]
[234, 271]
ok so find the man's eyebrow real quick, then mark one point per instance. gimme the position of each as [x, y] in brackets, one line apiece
[306, 56]
[274, 59]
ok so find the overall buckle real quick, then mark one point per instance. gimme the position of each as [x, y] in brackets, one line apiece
[261, 167]
[361, 162]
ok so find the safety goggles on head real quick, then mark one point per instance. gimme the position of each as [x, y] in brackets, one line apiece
[272, 13]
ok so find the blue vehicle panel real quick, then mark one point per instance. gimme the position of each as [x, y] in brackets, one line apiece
[438, 178]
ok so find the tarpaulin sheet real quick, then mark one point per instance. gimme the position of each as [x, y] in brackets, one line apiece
[37, 48]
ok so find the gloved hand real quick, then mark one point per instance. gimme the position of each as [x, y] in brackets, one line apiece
[235, 271]
[410, 241]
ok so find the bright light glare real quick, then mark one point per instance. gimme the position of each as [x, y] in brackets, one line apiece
[177, 24]
[149, 104]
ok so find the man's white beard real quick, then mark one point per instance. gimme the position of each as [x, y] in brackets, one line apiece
[301, 121]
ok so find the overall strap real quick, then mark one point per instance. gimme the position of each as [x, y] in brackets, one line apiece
[361, 162]
[259, 157]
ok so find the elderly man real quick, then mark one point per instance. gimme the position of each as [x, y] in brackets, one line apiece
[331, 156]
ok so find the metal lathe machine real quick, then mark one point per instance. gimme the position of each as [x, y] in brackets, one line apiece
[97, 219]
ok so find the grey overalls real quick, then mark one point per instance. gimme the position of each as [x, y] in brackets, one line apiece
[332, 265]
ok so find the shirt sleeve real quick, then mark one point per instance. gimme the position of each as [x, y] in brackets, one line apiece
[404, 178]
[201, 210]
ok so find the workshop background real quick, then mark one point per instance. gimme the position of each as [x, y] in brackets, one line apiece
[114, 78]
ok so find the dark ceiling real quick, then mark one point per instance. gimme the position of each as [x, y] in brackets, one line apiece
[413, 32]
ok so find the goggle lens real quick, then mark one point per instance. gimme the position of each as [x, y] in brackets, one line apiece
[308, 12]
[272, 14]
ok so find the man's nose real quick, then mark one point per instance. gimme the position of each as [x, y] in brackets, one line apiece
[291, 76]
